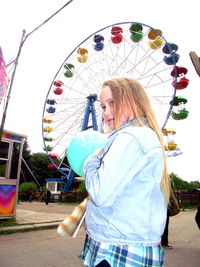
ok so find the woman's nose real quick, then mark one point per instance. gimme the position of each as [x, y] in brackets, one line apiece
[107, 112]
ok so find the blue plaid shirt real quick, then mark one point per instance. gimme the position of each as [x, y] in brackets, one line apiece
[122, 255]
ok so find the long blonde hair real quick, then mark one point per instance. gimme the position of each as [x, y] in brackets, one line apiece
[126, 91]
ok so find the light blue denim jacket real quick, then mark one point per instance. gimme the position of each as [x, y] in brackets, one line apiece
[126, 203]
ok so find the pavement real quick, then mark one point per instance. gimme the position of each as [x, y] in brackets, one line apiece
[37, 215]
[184, 234]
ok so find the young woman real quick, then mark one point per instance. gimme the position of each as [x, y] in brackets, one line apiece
[127, 183]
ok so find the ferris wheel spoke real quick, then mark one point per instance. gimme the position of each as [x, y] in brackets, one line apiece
[120, 50]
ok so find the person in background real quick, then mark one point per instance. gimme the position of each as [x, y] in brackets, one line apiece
[197, 217]
[164, 239]
[31, 193]
[41, 192]
[172, 210]
[127, 182]
[48, 196]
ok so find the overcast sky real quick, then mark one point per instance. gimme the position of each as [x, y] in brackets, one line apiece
[44, 52]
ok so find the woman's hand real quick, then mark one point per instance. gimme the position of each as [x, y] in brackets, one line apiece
[97, 151]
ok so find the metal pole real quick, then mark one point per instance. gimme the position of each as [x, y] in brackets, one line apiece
[89, 110]
[93, 112]
[31, 172]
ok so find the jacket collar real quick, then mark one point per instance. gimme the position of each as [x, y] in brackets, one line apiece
[134, 122]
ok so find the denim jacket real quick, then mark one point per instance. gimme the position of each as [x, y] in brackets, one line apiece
[126, 203]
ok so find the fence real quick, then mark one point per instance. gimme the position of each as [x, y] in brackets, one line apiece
[184, 197]
[188, 198]
[73, 196]
[61, 197]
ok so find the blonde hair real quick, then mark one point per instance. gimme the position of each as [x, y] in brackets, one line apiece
[129, 92]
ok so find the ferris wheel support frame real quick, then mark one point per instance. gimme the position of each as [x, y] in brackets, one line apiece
[89, 111]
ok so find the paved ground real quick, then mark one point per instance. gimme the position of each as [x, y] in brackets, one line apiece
[40, 249]
[184, 234]
[32, 215]
[29, 212]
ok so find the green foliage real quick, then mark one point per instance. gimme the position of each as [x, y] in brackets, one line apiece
[195, 184]
[8, 222]
[24, 187]
[26, 155]
[38, 164]
[26, 151]
[82, 187]
[179, 184]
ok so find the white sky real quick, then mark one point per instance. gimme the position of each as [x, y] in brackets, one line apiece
[45, 50]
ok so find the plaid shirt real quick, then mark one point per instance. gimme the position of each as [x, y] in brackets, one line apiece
[122, 255]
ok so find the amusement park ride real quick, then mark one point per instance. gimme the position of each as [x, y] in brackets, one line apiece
[126, 49]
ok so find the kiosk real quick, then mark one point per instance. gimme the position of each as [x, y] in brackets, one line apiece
[11, 148]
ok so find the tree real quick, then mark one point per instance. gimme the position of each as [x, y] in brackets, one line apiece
[24, 187]
[194, 184]
[25, 175]
[26, 151]
[39, 166]
[179, 184]
[34, 167]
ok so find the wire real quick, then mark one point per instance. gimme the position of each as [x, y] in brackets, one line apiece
[49, 18]
[15, 61]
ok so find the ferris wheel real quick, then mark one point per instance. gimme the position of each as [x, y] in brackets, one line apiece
[127, 49]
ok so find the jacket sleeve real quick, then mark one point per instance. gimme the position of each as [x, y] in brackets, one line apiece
[107, 175]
